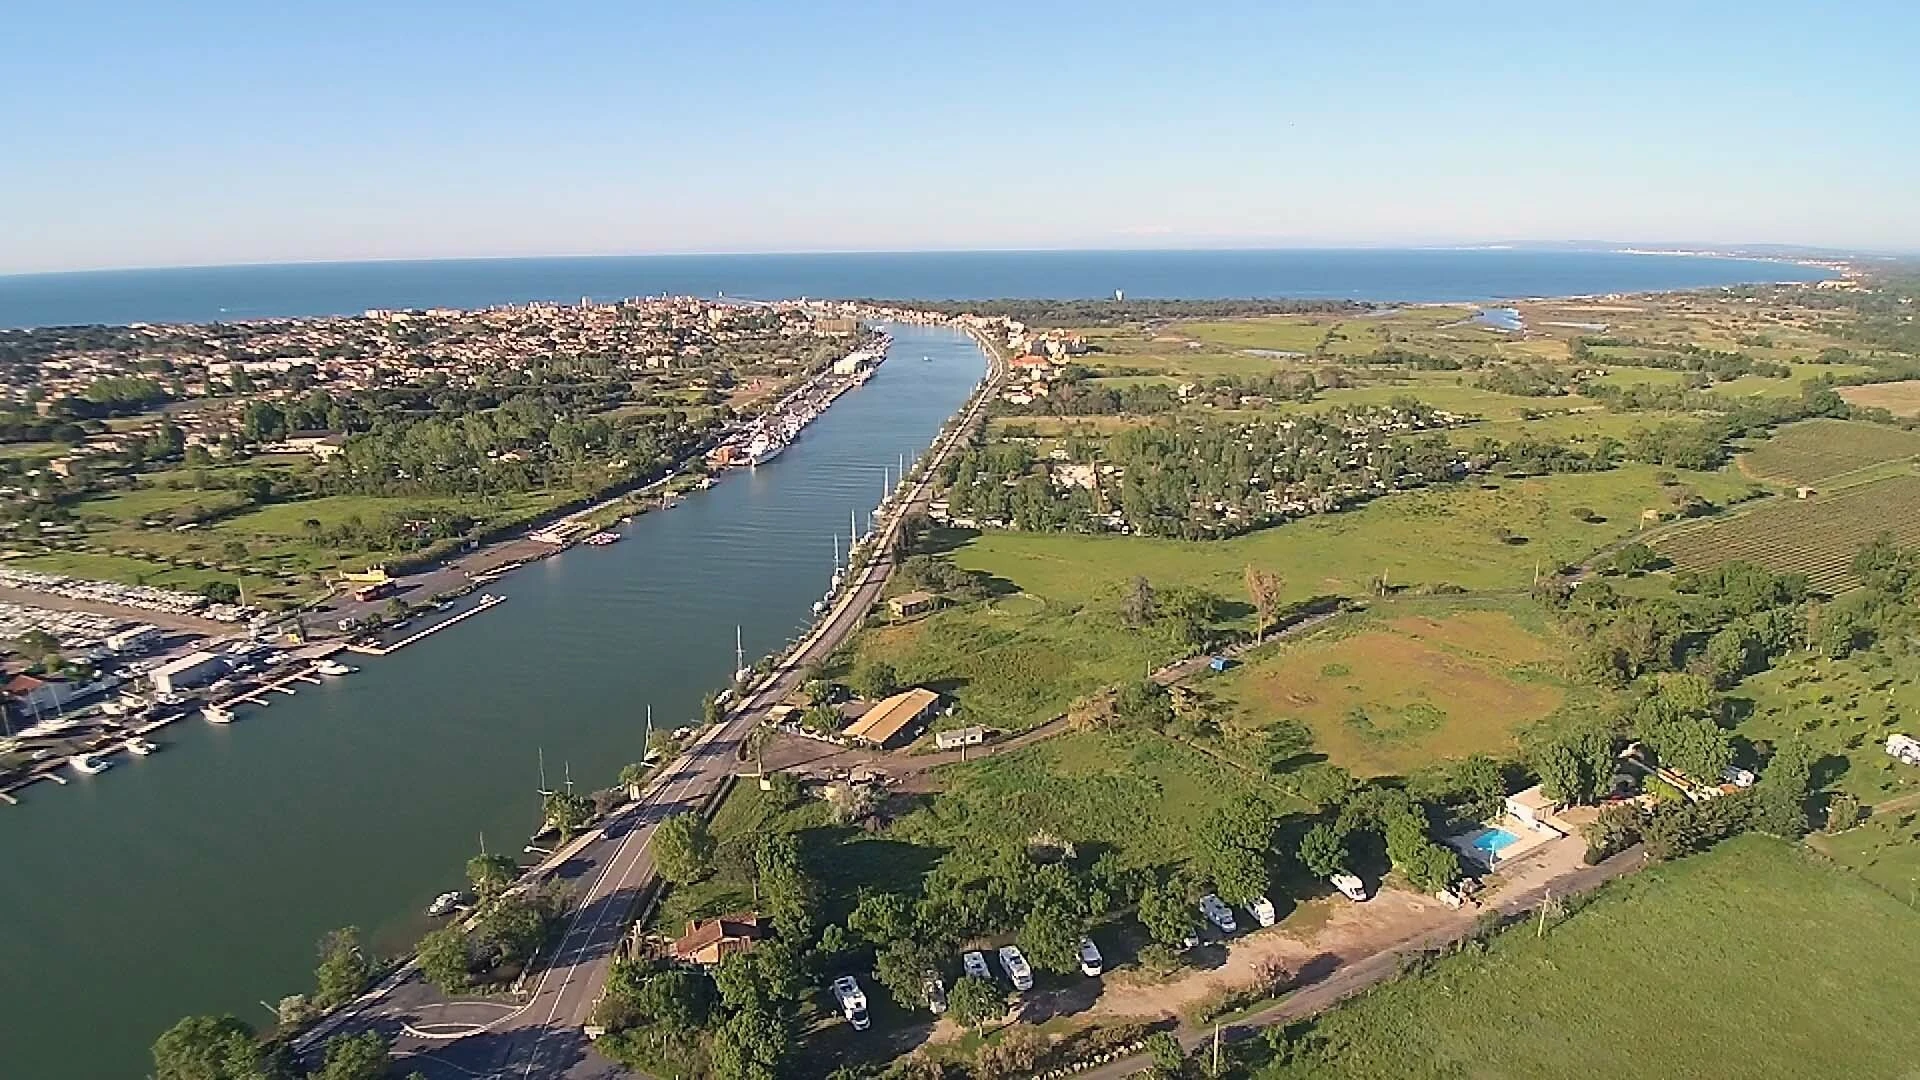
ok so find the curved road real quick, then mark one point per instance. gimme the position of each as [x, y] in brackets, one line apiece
[540, 1034]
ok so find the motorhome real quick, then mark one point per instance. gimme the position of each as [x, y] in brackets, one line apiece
[853, 1001]
[1016, 967]
[1262, 911]
[1350, 886]
[1218, 913]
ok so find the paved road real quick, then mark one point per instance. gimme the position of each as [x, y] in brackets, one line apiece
[540, 1035]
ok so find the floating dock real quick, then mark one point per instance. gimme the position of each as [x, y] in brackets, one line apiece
[488, 601]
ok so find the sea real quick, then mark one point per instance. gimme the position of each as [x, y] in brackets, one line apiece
[232, 293]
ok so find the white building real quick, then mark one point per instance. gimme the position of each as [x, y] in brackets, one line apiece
[187, 672]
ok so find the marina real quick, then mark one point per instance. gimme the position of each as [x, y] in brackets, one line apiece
[424, 749]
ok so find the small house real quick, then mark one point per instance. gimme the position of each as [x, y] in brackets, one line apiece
[914, 603]
[959, 737]
[709, 941]
[1533, 808]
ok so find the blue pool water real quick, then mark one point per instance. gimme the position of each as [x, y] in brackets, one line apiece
[1490, 842]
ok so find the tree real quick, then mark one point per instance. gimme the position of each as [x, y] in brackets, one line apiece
[1263, 592]
[1562, 774]
[876, 679]
[1169, 1058]
[446, 959]
[788, 893]
[1137, 606]
[1143, 703]
[974, 1002]
[514, 929]
[881, 917]
[1843, 813]
[209, 1048]
[1323, 851]
[567, 812]
[901, 966]
[751, 1045]
[1885, 567]
[1635, 558]
[355, 1057]
[1780, 798]
[683, 848]
[1050, 938]
[344, 970]
[490, 875]
[1167, 914]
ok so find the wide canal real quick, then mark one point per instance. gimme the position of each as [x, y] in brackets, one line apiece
[199, 879]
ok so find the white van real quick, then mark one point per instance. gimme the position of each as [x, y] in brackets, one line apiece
[1015, 965]
[1350, 887]
[1091, 962]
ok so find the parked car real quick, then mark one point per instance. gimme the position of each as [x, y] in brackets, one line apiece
[1218, 913]
[1018, 971]
[853, 1001]
[936, 991]
[974, 963]
[1350, 887]
[1262, 911]
[1091, 962]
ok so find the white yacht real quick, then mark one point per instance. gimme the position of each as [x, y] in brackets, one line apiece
[445, 904]
[89, 764]
[334, 667]
[142, 747]
[217, 714]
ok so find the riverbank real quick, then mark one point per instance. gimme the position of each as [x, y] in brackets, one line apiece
[399, 771]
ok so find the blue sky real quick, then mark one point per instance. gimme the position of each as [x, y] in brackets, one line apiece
[141, 134]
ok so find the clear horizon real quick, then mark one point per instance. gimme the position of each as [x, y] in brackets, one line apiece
[227, 135]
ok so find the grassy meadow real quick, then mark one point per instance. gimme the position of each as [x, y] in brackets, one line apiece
[1412, 683]
[1750, 960]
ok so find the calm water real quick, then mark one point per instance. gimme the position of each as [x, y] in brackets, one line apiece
[241, 292]
[198, 879]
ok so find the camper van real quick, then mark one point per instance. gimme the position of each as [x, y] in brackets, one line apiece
[1015, 965]
[1218, 913]
[853, 1001]
[1350, 887]
[1262, 911]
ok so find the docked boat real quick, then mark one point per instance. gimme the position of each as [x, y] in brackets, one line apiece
[445, 904]
[334, 667]
[819, 607]
[763, 449]
[142, 747]
[602, 539]
[217, 714]
[89, 764]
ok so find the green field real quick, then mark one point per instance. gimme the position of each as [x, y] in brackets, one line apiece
[136, 571]
[1283, 333]
[1418, 682]
[1816, 536]
[1748, 961]
[1844, 710]
[1140, 794]
[1814, 451]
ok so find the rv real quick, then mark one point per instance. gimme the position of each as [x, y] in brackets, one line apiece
[1262, 911]
[1218, 913]
[1350, 887]
[1091, 962]
[1016, 967]
[853, 1001]
[974, 963]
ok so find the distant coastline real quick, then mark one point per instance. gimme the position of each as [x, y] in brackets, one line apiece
[1400, 276]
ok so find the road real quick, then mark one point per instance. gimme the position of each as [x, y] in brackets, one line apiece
[540, 1034]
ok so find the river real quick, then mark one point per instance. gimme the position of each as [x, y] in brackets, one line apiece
[199, 879]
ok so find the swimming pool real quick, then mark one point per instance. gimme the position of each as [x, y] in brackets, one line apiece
[1489, 842]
